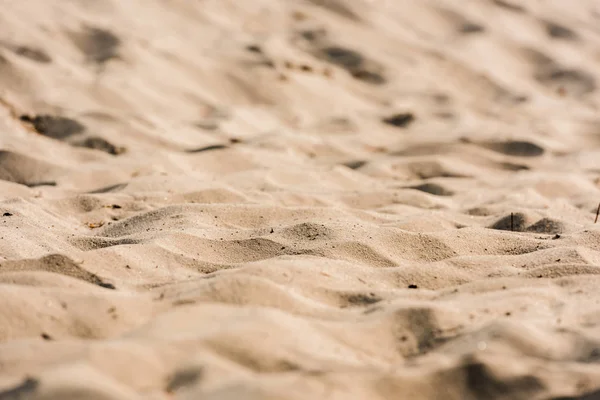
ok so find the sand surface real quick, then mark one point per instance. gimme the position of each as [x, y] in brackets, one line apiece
[299, 199]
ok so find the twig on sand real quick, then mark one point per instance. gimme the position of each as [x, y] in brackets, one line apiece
[597, 213]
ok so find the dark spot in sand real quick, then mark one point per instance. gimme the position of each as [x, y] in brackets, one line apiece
[338, 7]
[400, 120]
[432, 169]
[98, 45]
[512, 222]
[537, 57]
[557, 31]
[298, 15]
[21, 392]
[519, 98]
[441, 98]
[109, 189]
[343, 57]
[314, 35]
[254, 48]
[433, 188]
[262, 59]
[508, 6]
[107, 285]
[516, 148]
[573, 81]
[183, 302]
[471, 27]
[372, 77]
[483, 383]
[267, 63]
[208, 148]
[353, 62]
[546, 225]
[184, 378]
[36, 184]
[45, 336]
[354, 164]
[207, 125]
[101, 144]
[33, 54]
[54, 127]
[434, 149]
[413, 286]
[514, 167]
[362, 299]
[7, 214]
[592, 356]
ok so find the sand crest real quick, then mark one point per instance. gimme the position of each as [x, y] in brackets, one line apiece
[299, 199]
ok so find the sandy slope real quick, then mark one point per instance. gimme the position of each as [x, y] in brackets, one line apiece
[299, 199]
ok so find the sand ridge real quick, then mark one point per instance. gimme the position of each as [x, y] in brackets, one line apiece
[299, 199]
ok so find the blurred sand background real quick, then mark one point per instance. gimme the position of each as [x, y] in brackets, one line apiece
[299, 199]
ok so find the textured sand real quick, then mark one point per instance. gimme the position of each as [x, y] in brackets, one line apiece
[299, 199]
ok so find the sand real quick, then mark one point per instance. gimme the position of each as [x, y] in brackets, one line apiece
[299, 199]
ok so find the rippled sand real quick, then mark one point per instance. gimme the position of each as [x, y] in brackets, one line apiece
[299, 199]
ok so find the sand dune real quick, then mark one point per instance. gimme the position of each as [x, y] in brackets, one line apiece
[293, 199]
